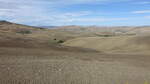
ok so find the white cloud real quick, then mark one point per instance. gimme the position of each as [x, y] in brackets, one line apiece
[34, 11]
[41, 17]
[141, 11]
[54, 2]
[98, 19]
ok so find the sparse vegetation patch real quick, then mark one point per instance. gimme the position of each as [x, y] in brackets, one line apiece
[24, 31]
[106, 35]
[56, 41]
[60, 41]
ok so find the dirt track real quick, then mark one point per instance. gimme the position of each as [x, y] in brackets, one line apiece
[40, 66]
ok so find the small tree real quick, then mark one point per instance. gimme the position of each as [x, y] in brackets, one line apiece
[60, 41]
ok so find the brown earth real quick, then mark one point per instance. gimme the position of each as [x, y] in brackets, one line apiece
[36, 58]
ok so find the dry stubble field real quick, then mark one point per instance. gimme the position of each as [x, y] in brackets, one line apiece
[56, 66]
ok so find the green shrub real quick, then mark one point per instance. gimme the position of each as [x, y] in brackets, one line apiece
[60, 41]
[24, 31]
[104, 35]
[55, 41]
[107, 35]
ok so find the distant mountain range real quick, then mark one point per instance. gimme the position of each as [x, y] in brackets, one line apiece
[49, 27]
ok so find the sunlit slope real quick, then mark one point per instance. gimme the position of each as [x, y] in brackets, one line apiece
[113, 44]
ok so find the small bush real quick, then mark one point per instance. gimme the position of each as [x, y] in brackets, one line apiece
[104, 35]
[60, 41]
[107, 35]
[55, 41]
[42, 28]
[24, 32]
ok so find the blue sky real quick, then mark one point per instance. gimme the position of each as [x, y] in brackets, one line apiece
[76, 12]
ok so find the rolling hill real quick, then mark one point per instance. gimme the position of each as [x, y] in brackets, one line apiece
[118, 44]
[106, 39]
[32, 55]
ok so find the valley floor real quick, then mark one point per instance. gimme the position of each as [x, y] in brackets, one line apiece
[52, 66]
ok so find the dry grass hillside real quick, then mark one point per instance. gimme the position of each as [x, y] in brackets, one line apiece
[17, 35]
[117, 44]
[37, 37]
[118, 30]
[30, 55]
